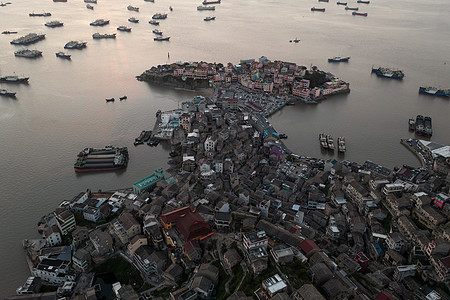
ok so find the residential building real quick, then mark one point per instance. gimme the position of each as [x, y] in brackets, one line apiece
[231, 258]
[126, 227]
[255, 239]
[53, 271]
[282, 254]
[102, 242]
[66, 220]
[274, 285]
[92, 214]
[136, 242]
[401, 272]
[81, 260]
[52, 236]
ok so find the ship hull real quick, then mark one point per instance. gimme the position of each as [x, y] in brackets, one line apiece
[434, 92]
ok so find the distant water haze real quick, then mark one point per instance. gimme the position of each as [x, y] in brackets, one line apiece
[63, 110]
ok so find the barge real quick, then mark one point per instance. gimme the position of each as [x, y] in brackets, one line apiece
[108, 158]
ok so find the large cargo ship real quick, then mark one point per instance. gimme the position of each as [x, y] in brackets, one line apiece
[28, 39]
[388, 73]
[419, 125]
[434, 91]
[101, 159]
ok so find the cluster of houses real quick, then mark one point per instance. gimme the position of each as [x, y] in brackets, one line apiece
[261, 75]
[235, 198]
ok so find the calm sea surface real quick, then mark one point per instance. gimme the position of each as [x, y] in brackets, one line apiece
[63, 110]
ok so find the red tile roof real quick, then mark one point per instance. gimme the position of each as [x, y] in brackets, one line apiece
[384, 296]
[307, 246]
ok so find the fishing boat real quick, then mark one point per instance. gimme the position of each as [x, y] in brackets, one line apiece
[388, 73]
[339, 59]
[7, 93]
[153, 22]
[89, 6]
[351, 8]
[318, 9]
[133, 20]
[363, 1]
[161, 38]
[159, 16]
[411, 124]
[209, 18]
[101, 159]
[124, 28]
[109, 99]
[9, 32]
[28, 53]
[14, 79]
[133, 8]
[158, 32]
[355, 13]
[430, 90]
[104, 36]
[53, 24]
[75, 45]
[330, 142]
[341, 3]
[44, 14]
[323, 141]
[341, 144]
[123, 98]
[61, 54]
[204, 7]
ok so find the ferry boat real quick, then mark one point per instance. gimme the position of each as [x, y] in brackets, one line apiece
[341, 144]
[204, 7]
[351, 8]
[54, 24]
[317, 9]
[153, 22]
[339, 59]
[427, 130]
[124, 28]
[133, 8]
[99, 22]
[420, 125]
[89, 6]
[44, 14]
[161, 38]
[28, 53]
[14, 79]
[388, 73]
[104, 36]
[411, 124]
[206, 2]
[159, 16]
[330, 142]
[28, 39]
[323, 141]
[434, 91]
[133, 20]
[359, 14]
[341, 3]
[156, 31]
[363, 1]
[6, 93]
[75, 45]
[209, 18]
[104, 159]
[63, 55]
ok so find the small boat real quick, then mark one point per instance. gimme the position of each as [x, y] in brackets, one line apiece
[133, 8]
[153, 22]
[99, 22]
[330, 142]
[44, 14]
[170, 8]
[124, 28]
[430, 90]
[89, 6]
[411, 124]
[339, 59]
[149, 0]
[9, 32]
[341, 144]
[14, 79]
[206, 2]
[204, 7]
[109, 99]
[209, 18]
[104, 36]
[53, 24]
[75, 45]
[341, 3]
[90, 1]
[161, 38]
[363, 1]
[282, 136]
[133, 20]
[6, 93]
[159, 16]
[359, 14]
[123, 98]
[156, 31]
[351, 8]
[323, 0]
[317, 9]
[63, 55]
[323, 141]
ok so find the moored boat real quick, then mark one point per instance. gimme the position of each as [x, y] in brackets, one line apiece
[339, 59]
[54, 24]
[355, 13]
[133, 8]
[153, 22]
[429, 90]
[156, 31]
[420, 125]
[411, 124]
[123, 98]
[105, 159]
[330, 142]
[9, 32]
[427, 130]
[323, 0]
[161, 38]
[99, 22]
[323, 141]
[14, 79]
[351, 8]
[363, 1]
[63, 55]
[133, 20]
[104, 36]
[388, 73]
[317, 9]
[159, 16]
[209, 18]
[110, 99]
[75, 45]
[28, 53]
[341, 144]
[44, 14]
[89, 6]
[283, 136]
[206, 2]
[124, 28]
[28, 39]
[204, 7]
[341, 3]
[90, 1]
[7, 93]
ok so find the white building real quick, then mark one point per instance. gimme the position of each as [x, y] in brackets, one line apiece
[210, 144]
[52, 236]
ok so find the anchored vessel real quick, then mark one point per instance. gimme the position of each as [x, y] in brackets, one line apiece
[206, 2]
[388, 73]
[351, 8]
[101, 159]
[14, 79]
[206, 7]
[40, 14]
[75, 45]
[359, 14]
[339, 59]
[323, 141]
[124, 28]
[317, 9]
[54, 24]
[99, 22]
[209, 18]
[430, 90]
[428, 130]
[28, 39]
[420, 125]
[6, 93]
[104, 36]
[159, 16]
[411, 124]
[133, 20]
[63, 55]
[162, 38]
[341, 144]
[28, 53]
[330, 142]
